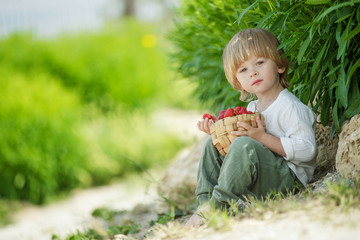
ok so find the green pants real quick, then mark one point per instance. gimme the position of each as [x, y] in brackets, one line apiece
[249, 169]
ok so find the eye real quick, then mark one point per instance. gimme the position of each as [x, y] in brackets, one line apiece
[241, 70]
[259, 62]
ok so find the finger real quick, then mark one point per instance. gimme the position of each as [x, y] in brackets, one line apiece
[244, 125]
[204, 124]
[199, 125]
[259, 123]
[239, 133]
[210, 124]
[214, 117]
[207, 125]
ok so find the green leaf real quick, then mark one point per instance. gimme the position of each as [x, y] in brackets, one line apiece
[303, 49]
[333, 8]
[332, 71]
[266, 17]
[325, 111]
[343, 89]
[315, 86]
[353, 69]
[305, 95]
[243, 12]
[343, 18]
[343, 41]
[335, 116]
[353, 109]
[287, 42]
[352, 34]
[338, 33]
[318, 59]
[315, 2]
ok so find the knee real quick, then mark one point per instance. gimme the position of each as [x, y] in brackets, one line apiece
[244, 148]
[243, 142]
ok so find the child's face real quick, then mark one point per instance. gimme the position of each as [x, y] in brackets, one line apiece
[259, 75]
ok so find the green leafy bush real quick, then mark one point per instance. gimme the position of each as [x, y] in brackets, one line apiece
[54, 133]
[319, 38]
[40, 153]
[123, 64]
[122, 143]
[50, 143]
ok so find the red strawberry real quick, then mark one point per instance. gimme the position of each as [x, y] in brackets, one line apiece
[237, 110]
[243, 111]
[208, 116]
[250, 112]
[229, 113]
[221, 114]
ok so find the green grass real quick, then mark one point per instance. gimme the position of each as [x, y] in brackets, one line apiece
[341, 196]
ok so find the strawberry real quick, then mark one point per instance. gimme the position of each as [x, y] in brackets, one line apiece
[250, 112]
[221, 114]
[243, 111]
[229, 112]
[208, 116]
[237, 110]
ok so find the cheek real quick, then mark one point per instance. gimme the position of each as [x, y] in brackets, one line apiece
[272, 72]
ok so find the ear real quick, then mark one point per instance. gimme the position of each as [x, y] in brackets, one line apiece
[281, 70]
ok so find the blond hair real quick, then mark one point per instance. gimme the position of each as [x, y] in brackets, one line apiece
[252, 41]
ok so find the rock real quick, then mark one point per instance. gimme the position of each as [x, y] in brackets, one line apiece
[327, 147]
[348, 153]
[179, 182]
[321, 185]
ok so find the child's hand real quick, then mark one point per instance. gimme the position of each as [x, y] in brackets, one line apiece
[255, 133]
[205, 124]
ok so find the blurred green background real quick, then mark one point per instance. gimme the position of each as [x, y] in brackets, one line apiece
[76, 108]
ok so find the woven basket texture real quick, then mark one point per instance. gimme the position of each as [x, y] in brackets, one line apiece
[220, 130]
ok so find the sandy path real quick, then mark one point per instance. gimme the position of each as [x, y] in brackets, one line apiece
[64, 217]
[315, 224]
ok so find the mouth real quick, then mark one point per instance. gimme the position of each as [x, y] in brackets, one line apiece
[256, 82]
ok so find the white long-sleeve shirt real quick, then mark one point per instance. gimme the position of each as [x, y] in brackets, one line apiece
[294, 123]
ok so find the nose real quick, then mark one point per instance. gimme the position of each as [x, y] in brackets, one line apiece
[254, 73]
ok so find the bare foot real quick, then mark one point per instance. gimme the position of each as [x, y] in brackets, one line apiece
[195, 221]
[198, 218]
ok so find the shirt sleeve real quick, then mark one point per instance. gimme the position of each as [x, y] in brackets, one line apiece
[298, 123]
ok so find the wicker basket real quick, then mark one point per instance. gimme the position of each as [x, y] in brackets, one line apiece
[220, 130]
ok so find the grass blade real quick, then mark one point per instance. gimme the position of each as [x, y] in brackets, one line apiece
[352, 34]
[343, 92]
[303, 49]
[316, 2]
[243, 12]
[318, 59]
[325, 111]
[353, 69]
[335, 116]
[353, 109]
[327, 11]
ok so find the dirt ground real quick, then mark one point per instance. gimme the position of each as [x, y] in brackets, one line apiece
[295, 225]
[65, 217]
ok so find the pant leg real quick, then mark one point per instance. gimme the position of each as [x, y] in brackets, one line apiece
[249, 168]
[208, 172]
